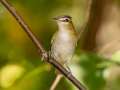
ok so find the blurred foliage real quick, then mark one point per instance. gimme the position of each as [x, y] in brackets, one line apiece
[20, 65]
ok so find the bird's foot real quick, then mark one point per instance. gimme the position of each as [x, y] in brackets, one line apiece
[67, 67]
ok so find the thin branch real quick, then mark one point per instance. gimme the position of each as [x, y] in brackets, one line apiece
[56, 81]
[42, 51]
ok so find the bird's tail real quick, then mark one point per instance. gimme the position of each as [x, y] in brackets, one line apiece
[56, 81]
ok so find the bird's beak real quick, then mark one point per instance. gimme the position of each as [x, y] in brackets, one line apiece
[54, 18]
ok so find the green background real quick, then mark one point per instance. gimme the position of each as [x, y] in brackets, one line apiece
[20, 65]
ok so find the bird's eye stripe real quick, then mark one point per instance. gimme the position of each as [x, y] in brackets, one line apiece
[65, 20]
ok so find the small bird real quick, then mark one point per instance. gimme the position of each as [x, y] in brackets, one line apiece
[63, 43]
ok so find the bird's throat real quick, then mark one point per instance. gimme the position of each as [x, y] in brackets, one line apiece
[65, 27]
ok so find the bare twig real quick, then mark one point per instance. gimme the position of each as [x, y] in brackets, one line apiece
[42, 51]
[56, 81]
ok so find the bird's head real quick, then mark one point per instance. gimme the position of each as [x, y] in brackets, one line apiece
[64, 19]
[64, 22]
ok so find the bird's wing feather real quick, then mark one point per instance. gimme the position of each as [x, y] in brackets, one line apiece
[52, 40]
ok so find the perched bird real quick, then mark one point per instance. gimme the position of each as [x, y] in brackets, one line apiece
[63, 43]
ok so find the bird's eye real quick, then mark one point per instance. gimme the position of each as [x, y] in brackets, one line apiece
[66, 20]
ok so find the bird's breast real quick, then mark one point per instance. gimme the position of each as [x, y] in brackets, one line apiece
[63, 46]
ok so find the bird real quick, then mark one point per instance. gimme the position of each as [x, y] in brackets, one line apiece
[63, 43]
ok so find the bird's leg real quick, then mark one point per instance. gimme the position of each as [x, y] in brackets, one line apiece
[44, 55]
[68, 68]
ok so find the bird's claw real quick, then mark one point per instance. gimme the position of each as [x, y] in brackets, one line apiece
[69, 70]
[44, 55]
